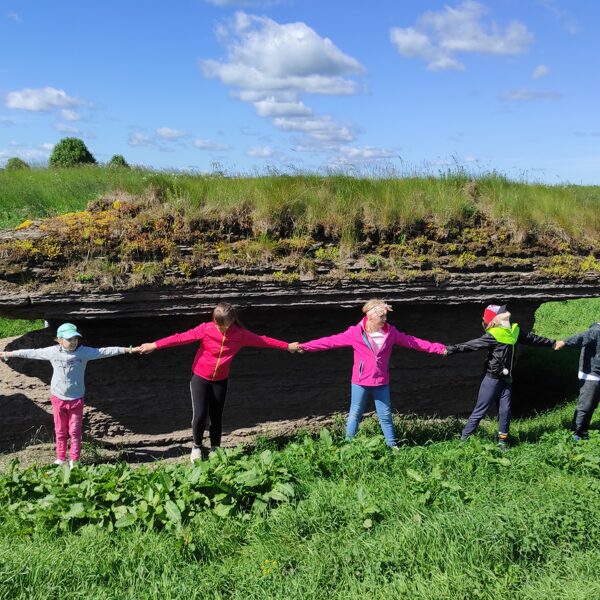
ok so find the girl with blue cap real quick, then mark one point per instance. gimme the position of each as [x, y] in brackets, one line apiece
[67, 387]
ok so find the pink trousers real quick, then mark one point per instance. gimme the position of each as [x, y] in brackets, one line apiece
[68, 419]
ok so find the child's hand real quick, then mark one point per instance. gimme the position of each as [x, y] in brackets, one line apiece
[559, 345]
[136, 350]
[4, 355]
[147, 348]
[295, 347]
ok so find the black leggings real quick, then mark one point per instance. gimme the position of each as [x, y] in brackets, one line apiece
[208, 399]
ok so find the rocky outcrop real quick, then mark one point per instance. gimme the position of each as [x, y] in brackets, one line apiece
[193, 298]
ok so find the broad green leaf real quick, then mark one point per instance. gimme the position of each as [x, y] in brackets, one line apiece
[126, 521]
[172, 511]
[223, 510]
[75, 511]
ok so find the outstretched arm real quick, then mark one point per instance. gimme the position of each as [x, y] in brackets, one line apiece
[415, 343]
[531, 339]
[338, 340]
[107, 352]
[32, 354]
[254, 340]
[177, 339]
[480, 343]
[578, 340]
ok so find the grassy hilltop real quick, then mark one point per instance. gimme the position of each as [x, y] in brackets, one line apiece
[124, 228]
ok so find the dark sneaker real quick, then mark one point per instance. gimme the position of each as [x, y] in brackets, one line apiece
[503, 444]
[585, 435]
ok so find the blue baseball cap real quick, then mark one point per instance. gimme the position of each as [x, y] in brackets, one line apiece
[67, 331]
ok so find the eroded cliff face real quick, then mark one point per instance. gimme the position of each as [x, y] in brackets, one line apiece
[130, 270]
[144, 400]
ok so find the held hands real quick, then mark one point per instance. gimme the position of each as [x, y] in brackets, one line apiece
[295, 347]
[4, 355]
[145, 348]
[559, 345]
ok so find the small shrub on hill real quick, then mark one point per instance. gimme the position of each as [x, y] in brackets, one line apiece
[16, 164]
[71, 152]
[118, 161]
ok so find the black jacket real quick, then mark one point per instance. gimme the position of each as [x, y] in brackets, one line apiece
[589, 342]
[500, 356]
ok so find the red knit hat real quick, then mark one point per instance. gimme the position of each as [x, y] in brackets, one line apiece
[491, 311]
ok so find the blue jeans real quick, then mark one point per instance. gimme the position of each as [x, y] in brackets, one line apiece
[383, 406]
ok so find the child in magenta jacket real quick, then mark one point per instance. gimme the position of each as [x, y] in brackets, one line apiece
[373, 340]
[220, 340]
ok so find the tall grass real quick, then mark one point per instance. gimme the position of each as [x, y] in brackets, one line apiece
[336, 202]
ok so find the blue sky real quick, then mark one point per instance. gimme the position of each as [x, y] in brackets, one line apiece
[245, 86]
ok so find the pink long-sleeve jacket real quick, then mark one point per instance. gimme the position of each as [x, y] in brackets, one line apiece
[371, 367]
[213, 359]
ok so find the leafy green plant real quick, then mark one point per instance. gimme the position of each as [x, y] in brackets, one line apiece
[70, 152]
[116, 496]
[117, 161]
[16, 164]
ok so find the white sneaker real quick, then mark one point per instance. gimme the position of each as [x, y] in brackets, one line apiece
[73, 463]
[59, 462]
[196, 453]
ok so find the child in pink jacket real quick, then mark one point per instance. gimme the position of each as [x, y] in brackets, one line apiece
[220, 340]
[373, 340]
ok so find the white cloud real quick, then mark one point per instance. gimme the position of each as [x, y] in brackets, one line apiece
[540, 71]
[166, 133]
[438, 36]
[137, 138]
[13, 16]
[211, 146]
[321, 129]
[366, 153]
[41, 99]
[38, 153]
[64, 128]
[260, 152]
[271, 107]
[70, 115]
[527, 95]
[268, 57]
[272, 65]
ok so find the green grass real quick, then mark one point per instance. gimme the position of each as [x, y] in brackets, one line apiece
[437, 519]
[14, 327]
[335, 203]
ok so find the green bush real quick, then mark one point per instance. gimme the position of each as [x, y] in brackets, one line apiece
[118, 161]
[16, 164]
[70, 152]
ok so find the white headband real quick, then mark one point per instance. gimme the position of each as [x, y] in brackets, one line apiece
[380, 309]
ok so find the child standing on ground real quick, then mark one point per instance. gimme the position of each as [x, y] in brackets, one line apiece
[67, 387]
[220, 340]
[589, 378]
[499, 340]
[373, 340]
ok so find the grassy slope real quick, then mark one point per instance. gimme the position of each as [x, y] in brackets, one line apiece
[481, 525]
[310, 200]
